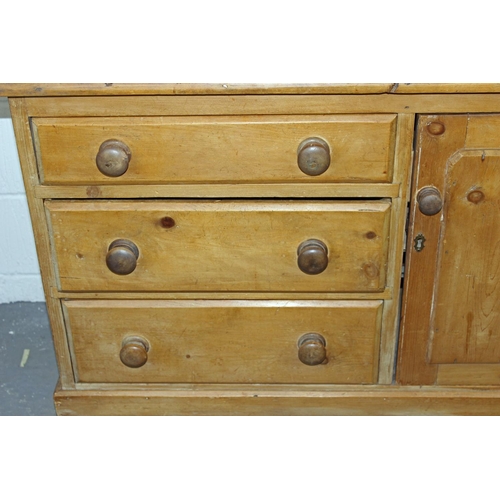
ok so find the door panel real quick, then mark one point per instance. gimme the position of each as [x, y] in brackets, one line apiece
[450, 328]
[467, 317]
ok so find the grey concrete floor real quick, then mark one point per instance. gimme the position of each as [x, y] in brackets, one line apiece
[28, 370]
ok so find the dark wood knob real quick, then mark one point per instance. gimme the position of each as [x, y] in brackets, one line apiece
[113, 158]
[429, 200]
[313, 156]
[122, 257]
[312, 349]
[134, 352]
[312, 257]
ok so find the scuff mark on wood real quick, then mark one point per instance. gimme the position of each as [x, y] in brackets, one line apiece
[93, 192]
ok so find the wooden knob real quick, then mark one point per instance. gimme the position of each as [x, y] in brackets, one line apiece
[312, 257]
[312, 349]
[122, 257]
[313, 156]
[436, 128]
[429, 200]
[113, 158]
[134, 352]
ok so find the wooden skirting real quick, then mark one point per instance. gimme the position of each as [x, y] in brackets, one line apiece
[319, 400]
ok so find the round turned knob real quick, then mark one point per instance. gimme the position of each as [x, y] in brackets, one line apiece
[429, 200]
[313, 156]
[122, 257]
[312, 349]
[113, 158]
[312, 257]
[134, 352]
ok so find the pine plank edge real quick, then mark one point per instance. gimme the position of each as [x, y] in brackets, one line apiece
[402, 168]
[248, 104]
[27, 159]
[368, 400]
[81, 89]
[221, 190]
[387, 294]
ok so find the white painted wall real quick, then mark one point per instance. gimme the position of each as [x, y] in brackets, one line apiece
[19, 270]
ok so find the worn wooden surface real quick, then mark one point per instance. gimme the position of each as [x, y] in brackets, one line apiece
[402, 170]
[432, 153]
[285, 400]
[466, 321]
[92, 89]
[270, 190]
[482, 132]
[445, 88]
[265, 112]
[386, 294]
[210, 150]
[451, 314]
[214, 105]
[469, 374]
[221, 245]
[212, 341]
[42, 239]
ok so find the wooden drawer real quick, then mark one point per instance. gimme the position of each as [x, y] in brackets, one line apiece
[215, 150]
[221, 245]
[210, 341]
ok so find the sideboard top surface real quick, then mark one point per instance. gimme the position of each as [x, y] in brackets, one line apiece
[116, 89]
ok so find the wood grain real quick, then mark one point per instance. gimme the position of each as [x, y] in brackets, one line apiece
[259, 400]
[467, 296]
[454, 279]
[432, 153]
[93, 89]
[469, 374]
[402, 170]
[386, 294]
[210, 150]
[446, 88]
[269, 190]
[482, 131]
[27, 159]
[221, 245]
[260, 295]
[215, 105]
[212, 341]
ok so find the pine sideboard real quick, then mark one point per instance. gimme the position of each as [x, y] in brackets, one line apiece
[267, 249]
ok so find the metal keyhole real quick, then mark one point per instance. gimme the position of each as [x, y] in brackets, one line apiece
[419, 242]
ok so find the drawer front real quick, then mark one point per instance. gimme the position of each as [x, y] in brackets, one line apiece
[223, 341]
[211, 150]
[220, 246]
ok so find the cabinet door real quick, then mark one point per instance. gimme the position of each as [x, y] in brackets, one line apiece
[450, 329]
